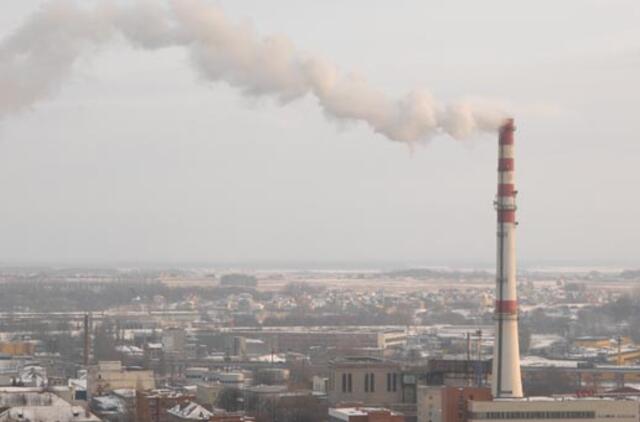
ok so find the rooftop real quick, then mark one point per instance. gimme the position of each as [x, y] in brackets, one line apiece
[345, 413]
[190, 410]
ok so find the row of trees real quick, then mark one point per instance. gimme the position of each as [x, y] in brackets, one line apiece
[55, 296]
[239, 280]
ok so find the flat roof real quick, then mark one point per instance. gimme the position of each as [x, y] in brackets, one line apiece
[357, 411]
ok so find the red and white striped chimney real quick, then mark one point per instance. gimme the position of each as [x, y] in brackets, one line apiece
[506, 380]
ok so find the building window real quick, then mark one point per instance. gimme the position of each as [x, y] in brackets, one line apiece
[575, 414]
[392, 382]
[346, 383]
[369, 383]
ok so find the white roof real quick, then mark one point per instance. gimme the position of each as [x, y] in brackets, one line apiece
[346, 412]
[78, 383]
[129, 350]
[275, 358]
[41, 406]
[191, 410]
[125, 392]
[108, 404]
[537, 361]
[49, 414]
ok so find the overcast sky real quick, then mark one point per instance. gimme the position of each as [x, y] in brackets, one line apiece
[136, 159]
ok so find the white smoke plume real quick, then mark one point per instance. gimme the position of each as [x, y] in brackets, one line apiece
[39, 55]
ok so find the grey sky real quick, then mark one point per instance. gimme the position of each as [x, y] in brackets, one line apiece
[136, 159]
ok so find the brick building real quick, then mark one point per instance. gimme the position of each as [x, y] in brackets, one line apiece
[446, 403]
[154, 405]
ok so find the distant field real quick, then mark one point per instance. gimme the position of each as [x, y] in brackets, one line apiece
[370, 282]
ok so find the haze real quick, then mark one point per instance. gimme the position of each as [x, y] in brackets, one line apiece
[136, 159]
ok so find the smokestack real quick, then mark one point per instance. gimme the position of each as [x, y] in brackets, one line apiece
[506, 381]
[86, 341]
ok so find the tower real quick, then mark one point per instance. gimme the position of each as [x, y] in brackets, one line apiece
[86, 341]
[506, 380]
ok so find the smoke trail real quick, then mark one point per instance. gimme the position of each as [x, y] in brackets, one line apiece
[37, 58]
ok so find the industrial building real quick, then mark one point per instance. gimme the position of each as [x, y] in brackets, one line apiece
[301, 339]
[584, 376]
[554, 409]
[107, 376]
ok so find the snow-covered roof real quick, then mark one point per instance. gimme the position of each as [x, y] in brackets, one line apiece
[125, 392]
[108, 404]
[48, 414]
[275, 358]
[78, 383]
[190, 410]
[33, 374]
[41, 406]
[129, 350]
[537, 361]
[541, 341]
[345, 413]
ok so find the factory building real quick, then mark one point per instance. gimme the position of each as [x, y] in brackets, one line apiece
[554, 409]
[302, 339]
